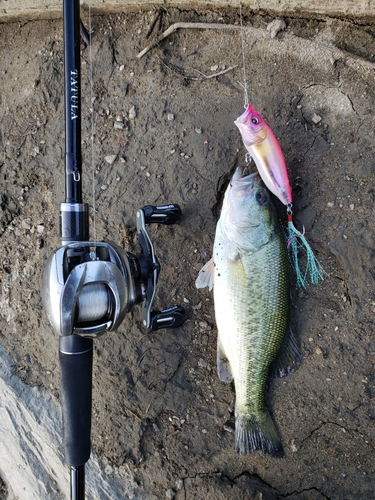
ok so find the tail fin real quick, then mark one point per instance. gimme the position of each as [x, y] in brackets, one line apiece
[257, 432]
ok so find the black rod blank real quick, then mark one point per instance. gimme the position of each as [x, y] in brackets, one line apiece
[73, 153]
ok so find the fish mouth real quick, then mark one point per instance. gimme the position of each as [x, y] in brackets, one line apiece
[243, 173]
[242, 179]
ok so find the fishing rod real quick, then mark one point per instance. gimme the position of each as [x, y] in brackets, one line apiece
[89, 286]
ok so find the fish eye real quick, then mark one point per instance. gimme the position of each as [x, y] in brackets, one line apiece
[261, 196]
[255, 120]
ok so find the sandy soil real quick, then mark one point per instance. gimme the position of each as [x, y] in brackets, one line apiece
[158, 405]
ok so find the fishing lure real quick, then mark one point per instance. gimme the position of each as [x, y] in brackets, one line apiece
[265, 150]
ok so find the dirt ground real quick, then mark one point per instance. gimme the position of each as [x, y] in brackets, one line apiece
[158, 406]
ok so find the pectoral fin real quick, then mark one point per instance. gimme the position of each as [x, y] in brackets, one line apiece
[288, 359]
[223, 367]
[206, 275]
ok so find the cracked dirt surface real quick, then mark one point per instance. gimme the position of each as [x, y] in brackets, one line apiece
[158, 405]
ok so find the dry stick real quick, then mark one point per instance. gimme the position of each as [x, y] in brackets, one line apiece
[334, 50]
[214, 75]
[176, 26]
[203, 77]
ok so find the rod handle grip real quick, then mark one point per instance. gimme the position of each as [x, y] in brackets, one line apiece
[75, 356]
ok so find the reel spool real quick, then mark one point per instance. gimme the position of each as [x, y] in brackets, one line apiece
[89, 287]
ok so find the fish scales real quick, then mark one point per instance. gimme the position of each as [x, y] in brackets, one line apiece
[249, 274]
[258, 325]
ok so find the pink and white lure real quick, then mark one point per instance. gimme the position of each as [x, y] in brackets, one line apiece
[266, 152]
[264, 149]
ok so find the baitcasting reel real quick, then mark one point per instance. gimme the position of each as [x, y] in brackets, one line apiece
[89, 287]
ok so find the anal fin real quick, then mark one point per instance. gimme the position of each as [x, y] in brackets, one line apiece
[288, 359]
[223, 367]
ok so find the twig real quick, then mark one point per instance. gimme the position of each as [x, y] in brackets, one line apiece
[181, 71]
[177, 26]
[133, 414]
[258, 32]
[205, 77]
[158, 17]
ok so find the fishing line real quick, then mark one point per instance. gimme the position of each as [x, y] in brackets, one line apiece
[246, 96]
[91, 107]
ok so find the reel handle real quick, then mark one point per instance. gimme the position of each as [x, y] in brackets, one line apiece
[162, 214]
[75, 355]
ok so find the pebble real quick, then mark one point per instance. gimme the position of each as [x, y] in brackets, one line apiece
[276, 26]
[318, 351]
[293, 446]
[40, 228]
[179, 484]
[170, 117]
[25, 224]
[110, 159]
[170, 493]
[214, 68]
[118, 125]
[199, 130]
[108, 470]
[104, 187]
[316, 118]
[228, 428]
[132, 113]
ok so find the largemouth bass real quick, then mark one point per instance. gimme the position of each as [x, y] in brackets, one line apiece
[249, 275]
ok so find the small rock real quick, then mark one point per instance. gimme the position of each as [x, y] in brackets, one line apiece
[40, 228]
[110, 159]
[228, 428]
[35, 151]
[202, 363]
[214, 68]
[108, 470]
[104, 187]
[119, 125]
[121, 68]
[318, 351]
[170, 493]
[170, 117]
[198, 130]
[275, 27]
[293, 446]
[179, 484]
[316, 118]
[132, 113]
[25, 224]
